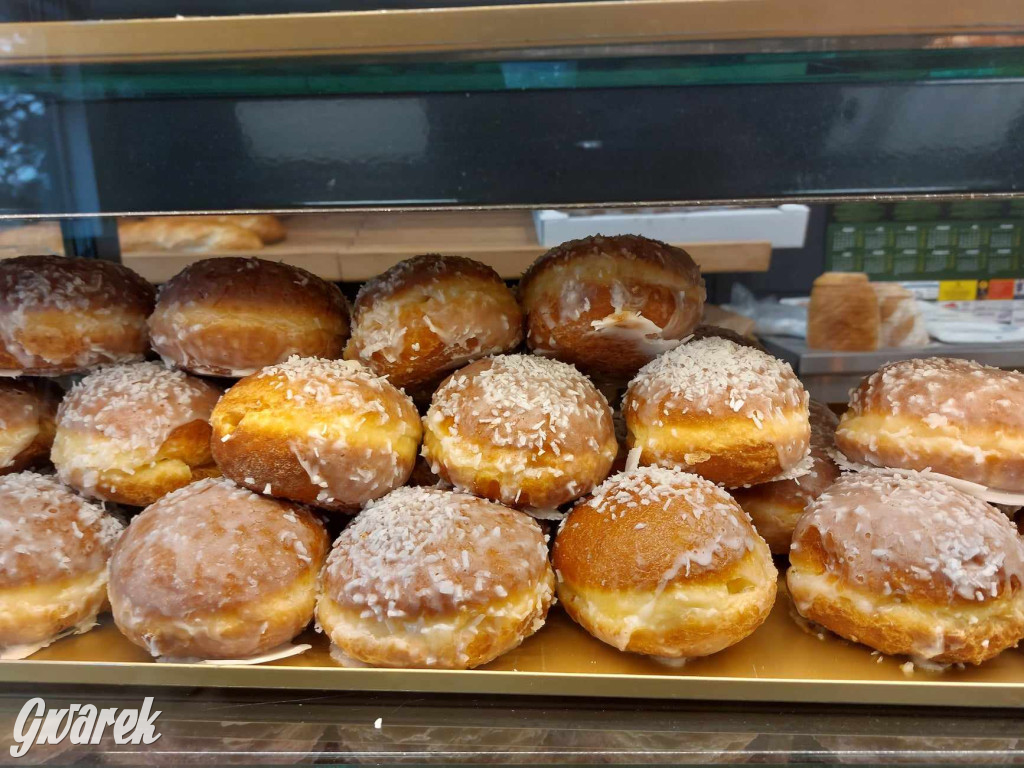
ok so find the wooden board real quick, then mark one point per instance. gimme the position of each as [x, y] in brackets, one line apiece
[352, 247]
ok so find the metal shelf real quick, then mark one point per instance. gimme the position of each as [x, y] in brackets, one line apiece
[829, 376]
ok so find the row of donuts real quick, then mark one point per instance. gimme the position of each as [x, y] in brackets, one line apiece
[943, 576]
[608, 305]
[656, 561]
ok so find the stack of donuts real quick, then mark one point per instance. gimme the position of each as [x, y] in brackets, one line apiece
[445, 429]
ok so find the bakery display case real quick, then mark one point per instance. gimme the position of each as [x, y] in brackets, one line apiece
[389, 383]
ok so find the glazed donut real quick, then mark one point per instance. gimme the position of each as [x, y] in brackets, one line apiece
[60, 316]
[231, 316]
[732, 414]
[132, 433]
[956, 417]
[527, 431]
[775, 507]
[664, 563]
[323, 432]
[909, 565]
[707, 331]
[213, 571]
[28, 412]
[432, 578]
[611, 304]
[53, 561]
[431, 314]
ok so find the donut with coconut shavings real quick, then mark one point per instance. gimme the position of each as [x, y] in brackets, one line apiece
[231, 316]
[730, 413]
[324, 432]
[54, 547]
[132, 433]
[433, 578]
[61, 316]
[214, 571]
[611, 304]
[956, 417]
[530, 432]
[28, 412]
[664, 563]
[429, 315]
[775, 507]
[909, 565]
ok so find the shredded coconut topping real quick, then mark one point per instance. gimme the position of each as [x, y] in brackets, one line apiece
[48, 533]
[701, 376]
[871, 525]
[425, 551]
[523, 401]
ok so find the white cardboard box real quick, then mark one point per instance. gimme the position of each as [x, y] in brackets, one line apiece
[784, 226]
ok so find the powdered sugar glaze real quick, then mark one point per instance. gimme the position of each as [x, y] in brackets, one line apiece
[905, 534]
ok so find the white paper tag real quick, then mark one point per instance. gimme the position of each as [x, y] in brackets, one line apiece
[983, 492]
[275, 654]
[18, 652]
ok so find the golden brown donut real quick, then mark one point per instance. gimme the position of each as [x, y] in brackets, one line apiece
[732, 414]
[54, 547]
[530, 432]
[60, 315]
[611, 304]
[909, 565]
[664, 563]
[214, 571]
[132, 433]
[956, 417]
[429, 315]
[28, 410]
[231, 316]
[324, 432]
[432, 578]
[775, 507]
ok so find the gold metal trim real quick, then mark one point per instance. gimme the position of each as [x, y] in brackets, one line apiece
[991, 695]
[497, 28]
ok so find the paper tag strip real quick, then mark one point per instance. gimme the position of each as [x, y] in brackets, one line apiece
[983, 492]
[18, 652]
[802, 468]
[275, 654]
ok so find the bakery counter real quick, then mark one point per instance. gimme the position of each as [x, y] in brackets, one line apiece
[829, 376]
[206, 726]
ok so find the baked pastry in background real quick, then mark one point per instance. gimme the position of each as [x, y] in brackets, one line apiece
[664, 563]
[429, 315]
[231, 316]
[775, 507]
[60, 315]
[956, 417]
[730, 413]
[843, 314]
[437, 579]
[244, 232]
[54, 547]
[132, 433]
[44, 237]
[213, 571]
[611, 304]
[909, 565]
[901, 321]
[530, 432]
[324, 432]
[28, 410]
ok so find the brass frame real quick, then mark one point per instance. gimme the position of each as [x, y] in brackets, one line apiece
[517, 28]
[924, 693]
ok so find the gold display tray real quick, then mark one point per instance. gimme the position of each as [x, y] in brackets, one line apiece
[780, 662]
